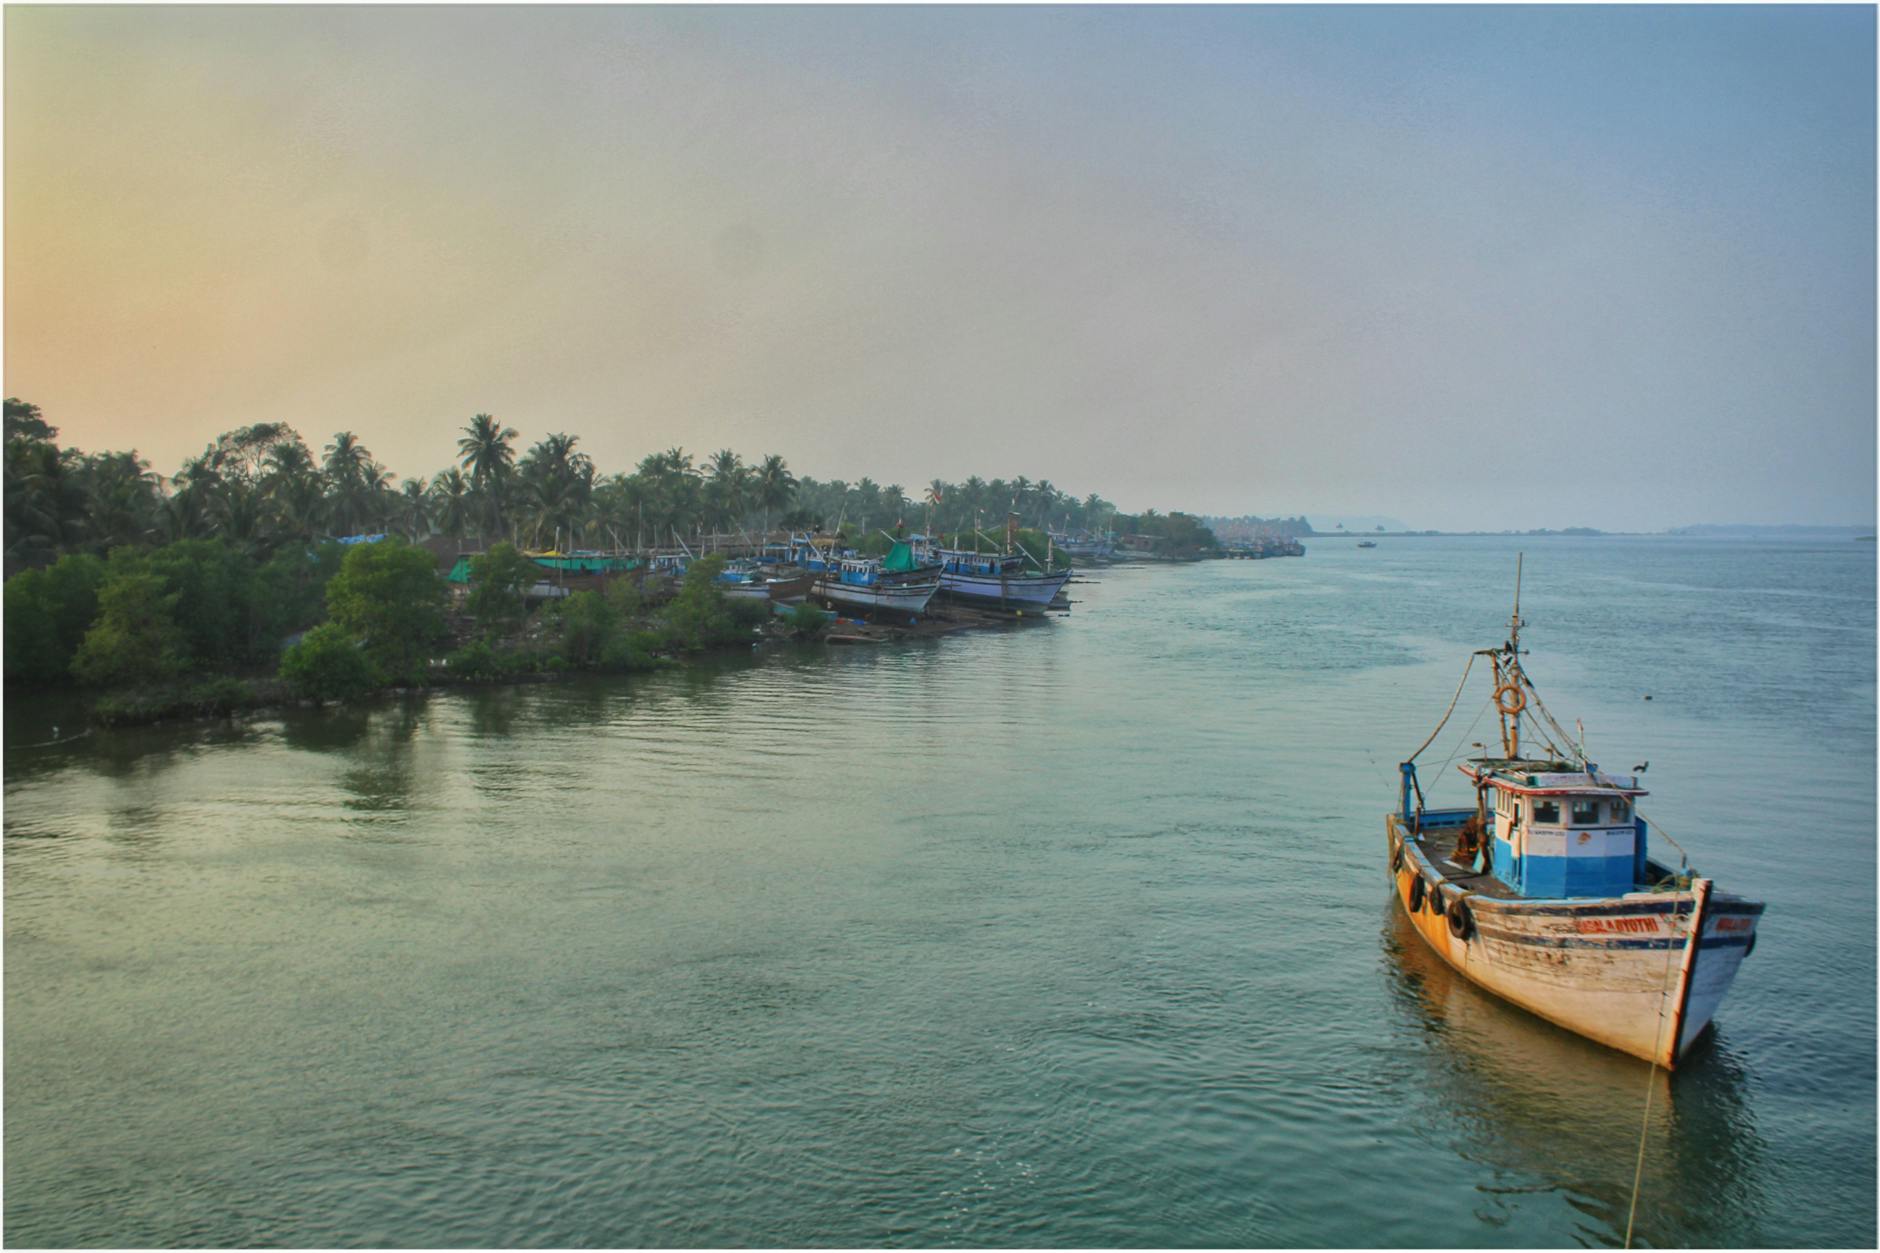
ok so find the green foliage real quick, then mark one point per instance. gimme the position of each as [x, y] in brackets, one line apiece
[47, 614]
[698, 617]
[290, 591]
[327, 663]
[747, 614]
[135, 639]
[217, 697]
[498, 580]
[212, 595]
[587, 621]
[477, 660]
[806, 621]
[630, 651]
[626, 596]
[1175, 534]
[391, 596]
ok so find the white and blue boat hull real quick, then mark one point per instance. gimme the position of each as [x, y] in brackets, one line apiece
[907, 598]
[1620, 970]
[1025, 592]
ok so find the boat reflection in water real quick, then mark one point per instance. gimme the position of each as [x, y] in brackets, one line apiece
[1546, 1114]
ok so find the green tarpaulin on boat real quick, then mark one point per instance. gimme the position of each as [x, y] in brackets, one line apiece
[900, 557]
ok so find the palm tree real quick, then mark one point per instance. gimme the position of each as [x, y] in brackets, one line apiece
[556, 485]
[973, 495]
[774, 487]
[895, 501]
[1021, 495]
[487, 451]
[726, 487]
[450, 503]
[121, 499]
[1044, 498]
[45, 504]
[415, 507]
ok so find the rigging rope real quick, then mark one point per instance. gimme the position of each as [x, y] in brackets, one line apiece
[1452, 708]
[1465, 741]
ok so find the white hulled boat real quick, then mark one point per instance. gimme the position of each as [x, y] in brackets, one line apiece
[1544, 893]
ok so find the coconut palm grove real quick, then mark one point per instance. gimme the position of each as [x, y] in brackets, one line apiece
[227, 584]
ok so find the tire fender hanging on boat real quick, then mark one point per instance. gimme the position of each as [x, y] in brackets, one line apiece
[1396, 858]
[1436, 899]
[1461, 919]
[1416, 893]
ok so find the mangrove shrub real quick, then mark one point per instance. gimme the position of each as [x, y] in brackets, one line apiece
[498, 581]
[48, 612]
[390, 596]
[135, 639]
[327, 663]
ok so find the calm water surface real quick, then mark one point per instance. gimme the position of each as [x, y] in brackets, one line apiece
[1070, 936]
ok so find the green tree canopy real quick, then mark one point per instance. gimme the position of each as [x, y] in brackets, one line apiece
[391, 596]
[135, 639]
[498, 581]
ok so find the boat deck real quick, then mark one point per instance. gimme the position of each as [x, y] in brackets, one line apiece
[1440, 846]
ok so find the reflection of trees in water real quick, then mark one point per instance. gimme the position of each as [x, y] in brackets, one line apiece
[126, 754]
[493, 709]
[377, 744]
[1523, 1095]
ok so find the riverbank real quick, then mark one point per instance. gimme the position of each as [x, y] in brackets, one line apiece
[527, 656]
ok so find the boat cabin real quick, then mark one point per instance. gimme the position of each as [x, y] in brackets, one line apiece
[1559, 831]
[860, 571]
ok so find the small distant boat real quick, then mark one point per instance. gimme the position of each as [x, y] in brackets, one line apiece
[1367, 543]
[1543, 891]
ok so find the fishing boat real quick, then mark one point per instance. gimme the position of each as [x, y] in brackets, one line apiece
[860, 583]
[995, 580]
[1084, 546]
[1545, 893]
[1367, 543]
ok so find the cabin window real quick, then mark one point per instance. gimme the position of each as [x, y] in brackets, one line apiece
[1621, 811]
[1547, 813]
[1585, 813]
[1517, 813]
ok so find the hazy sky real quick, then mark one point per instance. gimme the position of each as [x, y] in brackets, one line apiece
[1469, 267]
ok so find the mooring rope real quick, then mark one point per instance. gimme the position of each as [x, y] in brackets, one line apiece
[1651, 1083]
[62, 740]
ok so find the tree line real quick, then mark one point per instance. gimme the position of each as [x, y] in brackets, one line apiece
[262, 487]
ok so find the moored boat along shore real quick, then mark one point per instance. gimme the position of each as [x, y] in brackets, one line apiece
[260, 572]
[501, 622]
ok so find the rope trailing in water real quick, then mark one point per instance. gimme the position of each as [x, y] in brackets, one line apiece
[1651, 1083]
[66, 739]
[1452, 708]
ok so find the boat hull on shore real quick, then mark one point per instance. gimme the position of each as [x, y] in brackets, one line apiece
[902, 598]
[1034, 591]
[1622, 970]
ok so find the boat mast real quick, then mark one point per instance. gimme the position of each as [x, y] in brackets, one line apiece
[1510, 700]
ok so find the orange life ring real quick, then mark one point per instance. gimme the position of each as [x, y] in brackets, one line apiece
[1510, 708]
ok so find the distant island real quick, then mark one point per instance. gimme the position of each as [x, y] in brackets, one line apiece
[1755, 530]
